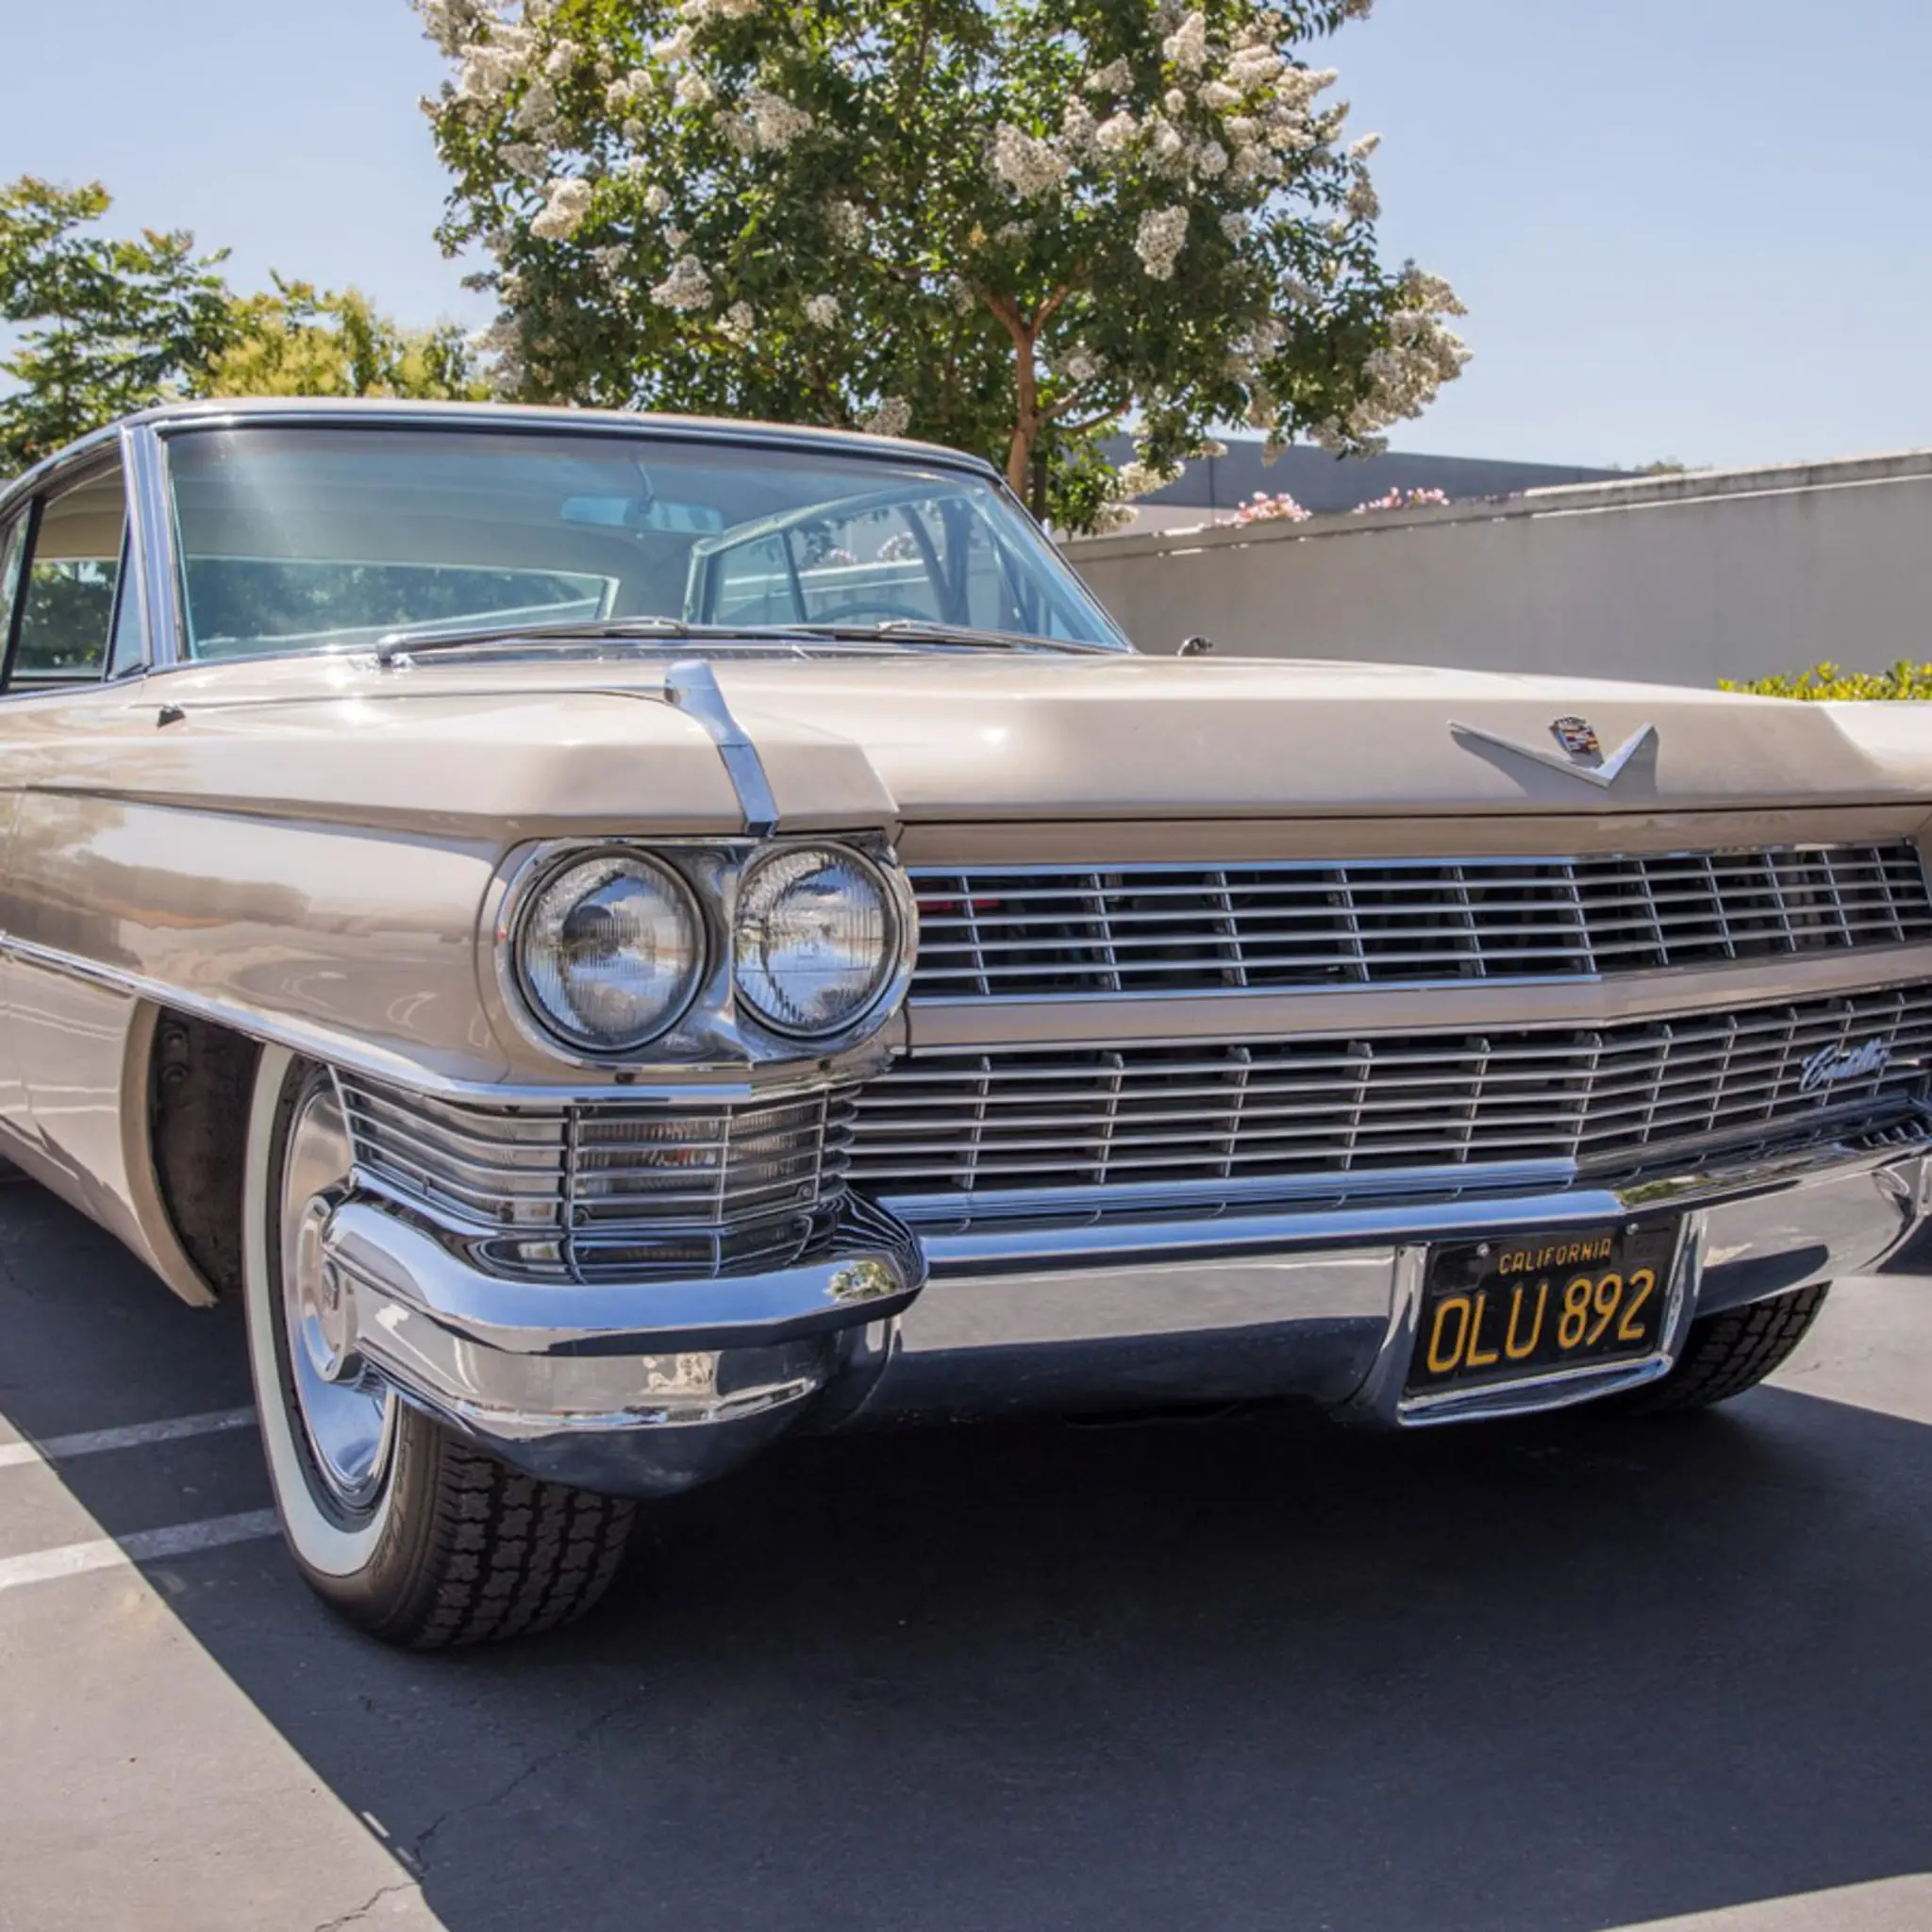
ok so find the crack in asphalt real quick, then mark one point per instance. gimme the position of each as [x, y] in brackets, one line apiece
[417, 1856]
[368, 1905]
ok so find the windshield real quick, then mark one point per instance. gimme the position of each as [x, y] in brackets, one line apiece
[317, 537]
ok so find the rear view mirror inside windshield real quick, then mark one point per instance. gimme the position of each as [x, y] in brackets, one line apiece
[638, 513]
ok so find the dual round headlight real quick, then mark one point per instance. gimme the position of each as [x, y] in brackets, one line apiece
[613, 949]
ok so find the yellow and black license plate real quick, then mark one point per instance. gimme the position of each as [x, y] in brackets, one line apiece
[1528, 1305]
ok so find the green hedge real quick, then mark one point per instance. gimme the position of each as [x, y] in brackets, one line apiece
[1826, 680]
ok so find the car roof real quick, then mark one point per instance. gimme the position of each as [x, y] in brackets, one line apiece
[165, 415]
[207, 411]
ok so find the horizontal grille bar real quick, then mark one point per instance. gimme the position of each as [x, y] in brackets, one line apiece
[1031, 932]
[589, 1188]
[975, 1123]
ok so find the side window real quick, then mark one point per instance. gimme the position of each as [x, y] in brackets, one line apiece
[930, 558]
[128, 650]
[13, 547]
[67, 600]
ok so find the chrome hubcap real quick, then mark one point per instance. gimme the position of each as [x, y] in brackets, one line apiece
[347, 1414]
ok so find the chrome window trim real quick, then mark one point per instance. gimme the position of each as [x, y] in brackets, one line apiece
[151, 524]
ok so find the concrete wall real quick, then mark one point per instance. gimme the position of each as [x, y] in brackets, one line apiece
[1687, 579]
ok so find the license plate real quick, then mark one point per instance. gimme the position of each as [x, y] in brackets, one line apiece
[1509, 1309]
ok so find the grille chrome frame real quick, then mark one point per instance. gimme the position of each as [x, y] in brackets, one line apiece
[1082, 1131]
[1057, 932]
[601, 1190]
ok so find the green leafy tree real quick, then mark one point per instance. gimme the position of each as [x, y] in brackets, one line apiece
[302, 341]
[105, 326]
[1005, 225]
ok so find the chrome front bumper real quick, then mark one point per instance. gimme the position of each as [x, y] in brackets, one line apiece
[648, 1388]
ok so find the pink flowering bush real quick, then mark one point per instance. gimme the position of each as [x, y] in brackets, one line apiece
[1263, 508]
[1403, 499]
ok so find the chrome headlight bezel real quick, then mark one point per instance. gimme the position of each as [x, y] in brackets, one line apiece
[514, 945]
[894, 954]
[717, 1030]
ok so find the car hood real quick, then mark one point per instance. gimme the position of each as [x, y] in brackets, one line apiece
[908, 738]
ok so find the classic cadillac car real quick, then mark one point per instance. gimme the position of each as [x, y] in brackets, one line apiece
[619, 939]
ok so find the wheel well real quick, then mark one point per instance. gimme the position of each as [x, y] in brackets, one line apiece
[200, 1080]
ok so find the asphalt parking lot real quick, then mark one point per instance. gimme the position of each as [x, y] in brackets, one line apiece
[1240, 1674]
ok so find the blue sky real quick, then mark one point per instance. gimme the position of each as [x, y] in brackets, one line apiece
[1688, 229]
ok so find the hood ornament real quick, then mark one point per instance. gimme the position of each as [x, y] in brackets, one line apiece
[1578, 739]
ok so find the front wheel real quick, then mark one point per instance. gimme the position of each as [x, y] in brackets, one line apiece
[407, 1529]
[1728, 1352]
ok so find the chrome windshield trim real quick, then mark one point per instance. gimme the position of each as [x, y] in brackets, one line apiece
[151, 524]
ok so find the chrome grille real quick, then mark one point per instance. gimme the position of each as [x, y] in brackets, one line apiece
[1221, 1116]
[614, 1186]
[1044, 931]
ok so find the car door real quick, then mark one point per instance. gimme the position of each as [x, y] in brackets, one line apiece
[74, 650]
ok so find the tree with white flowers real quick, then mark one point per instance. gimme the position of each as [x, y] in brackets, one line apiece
[1009, 226]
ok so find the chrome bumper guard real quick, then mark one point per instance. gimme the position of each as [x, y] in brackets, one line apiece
[650, 1387]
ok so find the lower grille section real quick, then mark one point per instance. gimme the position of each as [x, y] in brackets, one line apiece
[1209, 1116]
[592, 1192]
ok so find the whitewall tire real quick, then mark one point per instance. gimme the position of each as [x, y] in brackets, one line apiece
[408, 1529]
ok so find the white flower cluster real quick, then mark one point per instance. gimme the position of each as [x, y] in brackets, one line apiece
[537, 112]
[847, 220]
[452, 24]
[737, 324]
[686, 288]
[1187, 46]
[627, 90]
[656, 198]
[490, 66]
[1029, 166]
[775, 122]
[1116, 77]
[566, 202]
[1082, 366]
[1159, 239]
[1404, 377]
[701, 11]
[892, 418]
[821, 311]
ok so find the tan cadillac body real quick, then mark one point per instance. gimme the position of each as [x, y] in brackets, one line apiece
[255, 913]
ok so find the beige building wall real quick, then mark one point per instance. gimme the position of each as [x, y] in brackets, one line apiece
[1687, 579]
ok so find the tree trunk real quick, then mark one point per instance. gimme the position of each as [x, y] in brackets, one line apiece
[1026, 405]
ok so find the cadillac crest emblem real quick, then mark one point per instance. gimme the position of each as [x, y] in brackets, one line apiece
[1577, 735]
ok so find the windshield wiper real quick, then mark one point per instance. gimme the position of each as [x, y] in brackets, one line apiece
[396, 644]
[923, 631]
[563, 631]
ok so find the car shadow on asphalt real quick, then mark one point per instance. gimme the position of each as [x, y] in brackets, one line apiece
[1565, 1675]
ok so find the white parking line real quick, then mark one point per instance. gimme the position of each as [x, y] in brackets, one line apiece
[144, 1546]
[97, 1441]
